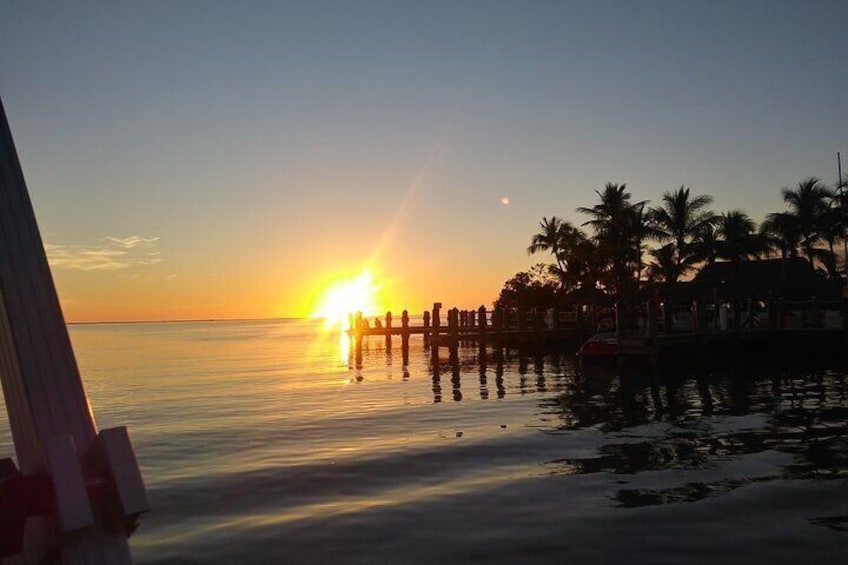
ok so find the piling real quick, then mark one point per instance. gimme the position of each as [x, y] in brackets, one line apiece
[404, 329]
[388, 330]
[434, 337]
[498, 323]
[426, 328]
[453, 332]
[404, 337]
[358, 334]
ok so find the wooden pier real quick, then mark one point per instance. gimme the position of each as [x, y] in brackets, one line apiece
[648, 332]
[810, 327]
[535, 328]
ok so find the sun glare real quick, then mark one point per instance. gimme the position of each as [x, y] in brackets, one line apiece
[344, 297]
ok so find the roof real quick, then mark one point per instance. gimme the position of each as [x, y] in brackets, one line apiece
[792, 277]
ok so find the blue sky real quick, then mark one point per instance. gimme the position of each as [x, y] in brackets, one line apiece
[260, 149]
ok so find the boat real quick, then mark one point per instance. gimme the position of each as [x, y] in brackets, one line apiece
[599, 346]
[602, 345]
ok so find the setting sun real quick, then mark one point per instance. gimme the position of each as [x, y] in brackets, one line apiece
[347, 296]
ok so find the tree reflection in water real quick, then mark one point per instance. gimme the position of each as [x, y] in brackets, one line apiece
[712, 415]
[671, 433]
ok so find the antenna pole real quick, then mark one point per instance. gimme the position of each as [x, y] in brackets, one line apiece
[841, 188]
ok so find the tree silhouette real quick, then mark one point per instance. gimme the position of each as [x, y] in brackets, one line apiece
[680, 219]
[782, 233]
[619, 229]
[737, 238]
[808, 203]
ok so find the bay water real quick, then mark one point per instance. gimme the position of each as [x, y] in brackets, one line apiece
[260, 443]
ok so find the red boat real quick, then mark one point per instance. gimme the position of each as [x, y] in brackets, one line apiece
[599, 346]
[602, 345]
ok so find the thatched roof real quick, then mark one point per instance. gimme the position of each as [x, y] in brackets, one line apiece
[792, 277]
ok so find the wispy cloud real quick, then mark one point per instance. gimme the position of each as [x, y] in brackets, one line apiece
[114, 254]
[133, 241]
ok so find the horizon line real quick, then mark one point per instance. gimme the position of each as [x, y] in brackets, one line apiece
[184, 320]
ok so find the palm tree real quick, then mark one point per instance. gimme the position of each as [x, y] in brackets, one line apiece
[839, 203]
[681, 216]
[617, 224]
[737, 237]
[680, 219]
[705, 245]
[548, 238]
[559, 238]
[830, 229]
[639, 229]
[587, 267]
[665, 266]
[782, 233]
[807, 203]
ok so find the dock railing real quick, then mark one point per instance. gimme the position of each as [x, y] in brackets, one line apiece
[498, 327]
[654, 324]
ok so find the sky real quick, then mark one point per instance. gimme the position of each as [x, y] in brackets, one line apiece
[200, 160]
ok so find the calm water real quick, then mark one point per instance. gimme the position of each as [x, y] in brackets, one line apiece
[259, 444]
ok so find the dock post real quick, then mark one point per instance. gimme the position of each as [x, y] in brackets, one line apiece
[498, 322]
[426, 328]
[537, 326]
[388, 330]
[404, 336]
[481, 327]
[437, 322]
[453, 331]
[358, 333]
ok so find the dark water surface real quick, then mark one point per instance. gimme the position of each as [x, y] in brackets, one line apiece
[258, 444]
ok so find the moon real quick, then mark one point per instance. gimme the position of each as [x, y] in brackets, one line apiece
[505, 200]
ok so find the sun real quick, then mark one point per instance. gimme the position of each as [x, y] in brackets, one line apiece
[345, 297]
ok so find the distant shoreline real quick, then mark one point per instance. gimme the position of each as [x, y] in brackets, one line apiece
[188, 321]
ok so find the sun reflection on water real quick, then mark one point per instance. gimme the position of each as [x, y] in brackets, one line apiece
[344, 346]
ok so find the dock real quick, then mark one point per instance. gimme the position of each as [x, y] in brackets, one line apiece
[809, 326]
[648, 332]
[499, 328]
